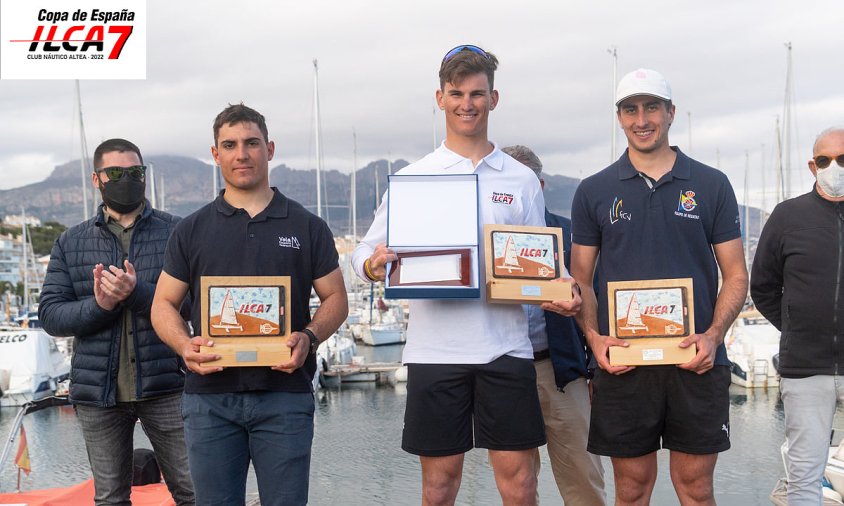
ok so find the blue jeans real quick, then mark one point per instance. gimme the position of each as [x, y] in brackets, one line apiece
[109, 433]
[809, 405]
[272, 429]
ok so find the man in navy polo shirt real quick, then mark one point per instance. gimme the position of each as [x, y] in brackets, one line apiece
[262, 414]
[657, 214]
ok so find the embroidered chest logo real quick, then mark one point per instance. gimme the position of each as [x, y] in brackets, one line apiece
[686, 205]
[502, 198]
[616, 212]
[289, 242]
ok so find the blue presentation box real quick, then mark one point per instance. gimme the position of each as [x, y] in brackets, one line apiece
[432, 224]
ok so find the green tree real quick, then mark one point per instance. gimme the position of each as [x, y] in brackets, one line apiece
[42, 237]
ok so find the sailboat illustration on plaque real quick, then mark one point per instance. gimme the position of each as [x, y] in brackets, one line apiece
[248, 317]
[633, 321]
[511, 260]
[236, 311]
[228, 316]
[653, 316]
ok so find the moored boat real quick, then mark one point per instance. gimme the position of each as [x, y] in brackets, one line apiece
[752, 343]
[33, 364]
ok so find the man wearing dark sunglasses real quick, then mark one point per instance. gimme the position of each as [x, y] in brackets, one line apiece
[237, 415]
[797, 283]
[471, 380]
[99, 288]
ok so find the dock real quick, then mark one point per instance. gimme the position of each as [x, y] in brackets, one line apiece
[379, 372]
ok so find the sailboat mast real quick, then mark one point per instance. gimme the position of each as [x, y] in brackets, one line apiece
[746, 208]
[354, 190]
[377, 190]
[162, 206]
[613, 51]
[25, 260]
[83, 155]
[780, 193]
[153, 194]
[762, 180]
[788, 121]
[318, 134]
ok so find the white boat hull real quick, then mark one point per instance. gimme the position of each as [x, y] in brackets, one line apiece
[33, 363]
[379, 335]
[751, 345]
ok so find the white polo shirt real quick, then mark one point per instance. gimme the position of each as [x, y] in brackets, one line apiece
[468, 331]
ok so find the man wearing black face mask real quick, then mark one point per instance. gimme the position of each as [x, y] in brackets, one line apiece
[99, 287]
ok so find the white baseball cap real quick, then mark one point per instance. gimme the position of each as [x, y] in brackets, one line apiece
[642, 82]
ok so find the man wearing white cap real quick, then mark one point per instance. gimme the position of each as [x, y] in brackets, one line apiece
[657, 214]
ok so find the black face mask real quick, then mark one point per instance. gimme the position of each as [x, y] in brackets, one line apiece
[123, 196]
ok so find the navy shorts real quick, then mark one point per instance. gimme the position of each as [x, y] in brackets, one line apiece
[449, 403]
[632, 412]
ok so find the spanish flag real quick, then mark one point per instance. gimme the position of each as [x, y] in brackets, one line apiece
[22, 458]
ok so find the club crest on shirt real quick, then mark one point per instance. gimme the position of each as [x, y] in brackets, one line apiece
[502, 198]
[617, 213]
[686, 205]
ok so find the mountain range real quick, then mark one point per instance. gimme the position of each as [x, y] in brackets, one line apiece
[187, 184]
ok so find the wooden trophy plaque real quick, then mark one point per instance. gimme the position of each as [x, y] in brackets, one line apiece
[523, 264]
[248, 318]
[654, 316]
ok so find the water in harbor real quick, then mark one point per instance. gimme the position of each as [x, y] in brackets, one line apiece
[357, 459]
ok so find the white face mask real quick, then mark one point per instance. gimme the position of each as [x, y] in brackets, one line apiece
[831, 180]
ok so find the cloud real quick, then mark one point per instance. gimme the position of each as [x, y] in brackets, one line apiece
[378, 62]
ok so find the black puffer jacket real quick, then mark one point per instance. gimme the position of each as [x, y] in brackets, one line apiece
[68, 308]
[796, 283]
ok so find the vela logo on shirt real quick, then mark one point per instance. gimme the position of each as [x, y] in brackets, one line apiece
[502, 198]
[289, 242]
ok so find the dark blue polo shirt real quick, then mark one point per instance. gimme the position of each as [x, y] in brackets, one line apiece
[283, 240]
[662, 229]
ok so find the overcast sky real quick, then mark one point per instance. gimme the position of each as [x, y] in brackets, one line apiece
[378, 63]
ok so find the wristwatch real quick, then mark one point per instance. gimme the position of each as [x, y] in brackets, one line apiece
[313, 339]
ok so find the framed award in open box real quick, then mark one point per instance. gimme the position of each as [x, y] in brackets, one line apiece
[247, 317]
[432, 226]
[654, 316]
[523, 264]
[432, 268]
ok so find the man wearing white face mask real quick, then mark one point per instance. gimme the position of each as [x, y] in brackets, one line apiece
[796, 283]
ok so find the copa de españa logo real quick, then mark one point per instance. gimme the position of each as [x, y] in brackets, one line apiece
[73, 39]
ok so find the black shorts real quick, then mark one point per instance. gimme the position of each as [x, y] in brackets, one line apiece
[445, 402]
[688, 411]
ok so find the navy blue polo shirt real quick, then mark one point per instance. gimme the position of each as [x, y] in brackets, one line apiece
[662, 229]
[282, 240]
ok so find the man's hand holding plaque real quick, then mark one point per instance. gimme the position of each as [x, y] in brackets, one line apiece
[565, 307]
[194, 357]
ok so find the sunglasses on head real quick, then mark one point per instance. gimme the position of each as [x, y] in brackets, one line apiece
[466, 47]
[823, 161]
[136, 172]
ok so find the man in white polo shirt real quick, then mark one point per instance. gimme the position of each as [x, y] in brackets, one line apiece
[471, 380]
